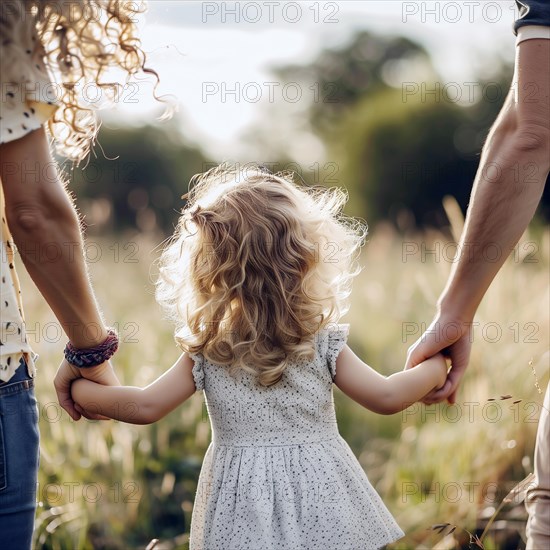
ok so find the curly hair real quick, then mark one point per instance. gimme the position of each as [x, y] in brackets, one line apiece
[256, 267]
[83, 41]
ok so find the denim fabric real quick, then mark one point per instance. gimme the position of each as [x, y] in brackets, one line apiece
[532, 12]
[18, 460]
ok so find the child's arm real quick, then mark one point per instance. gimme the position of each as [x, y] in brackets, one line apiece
[138, 405]
[387, 395]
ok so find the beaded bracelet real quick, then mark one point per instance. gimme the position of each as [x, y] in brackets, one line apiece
[91, 357]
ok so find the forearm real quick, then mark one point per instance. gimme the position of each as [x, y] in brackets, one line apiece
[501, 207]
[124, 403]
[46, 230]
[513, 169]
[63, 279]
[139, 405]
[409, 386]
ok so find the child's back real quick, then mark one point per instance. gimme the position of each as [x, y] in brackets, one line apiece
[277, 474]
[255, 278]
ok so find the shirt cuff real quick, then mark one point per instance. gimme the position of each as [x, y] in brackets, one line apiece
[528, 32]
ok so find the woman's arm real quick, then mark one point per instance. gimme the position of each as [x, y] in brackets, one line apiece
[45, 227]
[138, 405]
[387, 395]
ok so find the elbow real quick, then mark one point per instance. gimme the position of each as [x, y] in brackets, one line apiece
[524, 133]
[147, 413]
[26, 218]
[527, 127]
[389, 404]
[388, 409]
[34, 219]
[534, 139]
[35, 223]
[529, 141]
[393, 402]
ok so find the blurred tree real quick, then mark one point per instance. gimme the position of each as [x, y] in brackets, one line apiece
[137, 179]
[399, 137]
[339, 78]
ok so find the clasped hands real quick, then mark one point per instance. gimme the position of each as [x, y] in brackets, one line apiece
[67, 373]
[453, 339]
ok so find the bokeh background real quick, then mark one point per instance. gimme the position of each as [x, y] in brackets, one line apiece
[391, 100]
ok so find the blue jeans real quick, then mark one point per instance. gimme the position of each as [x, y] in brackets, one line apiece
[18, 460]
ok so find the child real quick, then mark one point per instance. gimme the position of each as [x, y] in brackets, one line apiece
[256, 278]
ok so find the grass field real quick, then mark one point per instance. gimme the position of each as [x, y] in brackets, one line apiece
[111, 485]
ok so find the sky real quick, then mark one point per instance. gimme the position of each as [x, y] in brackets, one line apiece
[214, 58]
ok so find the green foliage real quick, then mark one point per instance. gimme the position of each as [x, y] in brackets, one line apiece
[398, 156]
[131, 484]
[137, 178]
[399, 153]
[343, 76]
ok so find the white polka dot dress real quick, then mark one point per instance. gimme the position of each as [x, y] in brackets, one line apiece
[277, 474]
[28, 98]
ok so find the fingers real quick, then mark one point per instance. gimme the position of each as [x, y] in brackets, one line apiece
[69, 405]
[62, 384]
[416, 354]
[425, 347]
[437, 396]
[449, 390]
[90, 415]
[452, 398]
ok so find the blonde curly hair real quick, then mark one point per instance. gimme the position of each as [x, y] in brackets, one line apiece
[82, 41]
[257, 266]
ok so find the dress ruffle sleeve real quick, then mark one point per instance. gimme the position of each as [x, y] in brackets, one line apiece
[198, 370]
[337, 339]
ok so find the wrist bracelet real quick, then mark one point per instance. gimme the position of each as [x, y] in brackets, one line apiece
[91, 357]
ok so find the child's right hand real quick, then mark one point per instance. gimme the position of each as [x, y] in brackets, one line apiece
[79, 390]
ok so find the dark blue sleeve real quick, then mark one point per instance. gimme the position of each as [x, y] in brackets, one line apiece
[532, 12]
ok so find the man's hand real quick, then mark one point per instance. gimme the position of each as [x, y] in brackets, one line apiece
[453, 339]
[102, 374]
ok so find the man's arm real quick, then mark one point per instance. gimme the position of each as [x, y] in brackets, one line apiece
[508, 187]
[46, 230]
[510, 180]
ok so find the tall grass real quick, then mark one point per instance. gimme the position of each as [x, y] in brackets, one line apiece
[112, 485]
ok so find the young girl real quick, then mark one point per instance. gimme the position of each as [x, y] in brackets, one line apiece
[256, 278]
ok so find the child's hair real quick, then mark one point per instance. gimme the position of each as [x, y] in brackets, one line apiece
[83, 40]
[256, 267]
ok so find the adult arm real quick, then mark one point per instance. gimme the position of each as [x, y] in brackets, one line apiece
[513, 169]
[46, 230]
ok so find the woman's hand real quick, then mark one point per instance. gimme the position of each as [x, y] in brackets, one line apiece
[102, 374]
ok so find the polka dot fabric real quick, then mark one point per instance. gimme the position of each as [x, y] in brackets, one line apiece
[28, 97]
[277, 474]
